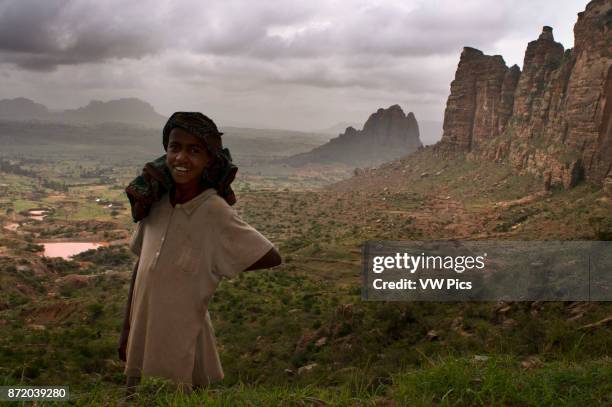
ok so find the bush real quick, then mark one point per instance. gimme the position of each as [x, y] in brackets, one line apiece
[108, 256]
[95, 311]
[59, 265]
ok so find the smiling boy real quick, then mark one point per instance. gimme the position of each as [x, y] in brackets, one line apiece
[188, 238]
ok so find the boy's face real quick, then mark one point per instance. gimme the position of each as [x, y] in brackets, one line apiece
[187, 157]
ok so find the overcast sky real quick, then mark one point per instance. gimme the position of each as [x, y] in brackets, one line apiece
[277, 64]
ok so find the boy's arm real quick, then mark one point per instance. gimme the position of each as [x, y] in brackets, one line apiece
[270, 259]
[125, 331]
[238, 246]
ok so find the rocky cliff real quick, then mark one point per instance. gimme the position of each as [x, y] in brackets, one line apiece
[551, 119]
[386, 135]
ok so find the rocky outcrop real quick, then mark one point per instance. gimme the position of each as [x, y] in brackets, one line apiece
[475, 104]
[386, 135]
[506, 102]
[551, 119]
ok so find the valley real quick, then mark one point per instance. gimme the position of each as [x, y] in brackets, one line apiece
[300, 332]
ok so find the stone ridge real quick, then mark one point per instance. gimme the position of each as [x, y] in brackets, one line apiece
[551, 119]
[386, 135]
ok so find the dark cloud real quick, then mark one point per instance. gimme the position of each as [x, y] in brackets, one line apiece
[21, 28]
[41, 35]
[44, 34]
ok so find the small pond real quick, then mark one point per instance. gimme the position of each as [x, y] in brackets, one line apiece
[66, 250]
[38, 214]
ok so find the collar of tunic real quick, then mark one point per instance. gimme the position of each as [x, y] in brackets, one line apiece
[194, 202]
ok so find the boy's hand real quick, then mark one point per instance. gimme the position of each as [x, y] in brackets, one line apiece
[123, 343]
[125, 332]
[270, 259]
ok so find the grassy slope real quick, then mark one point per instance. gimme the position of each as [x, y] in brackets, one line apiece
[270, 323]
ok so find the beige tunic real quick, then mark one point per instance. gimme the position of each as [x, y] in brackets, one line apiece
[184, 252]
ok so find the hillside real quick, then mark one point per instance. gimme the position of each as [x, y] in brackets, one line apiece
[300, 332]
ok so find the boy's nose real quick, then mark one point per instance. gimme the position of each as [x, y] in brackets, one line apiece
[181, 156]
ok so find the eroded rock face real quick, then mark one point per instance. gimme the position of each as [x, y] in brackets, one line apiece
[532, 96]
[589, 90]
[552, 119]
[506, 103]
[386, 135]
[480, 102]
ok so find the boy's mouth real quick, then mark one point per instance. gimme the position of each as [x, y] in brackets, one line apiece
[181, 170]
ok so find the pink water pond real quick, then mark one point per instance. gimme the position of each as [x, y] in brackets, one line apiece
[66, 250]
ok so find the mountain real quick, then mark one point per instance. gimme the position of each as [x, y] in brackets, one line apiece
[386, 135]
[552, 119]
[22, 109]
[127, 110]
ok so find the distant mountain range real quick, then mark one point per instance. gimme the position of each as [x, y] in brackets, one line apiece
[137, 112]
[126, 110]
[22, 108]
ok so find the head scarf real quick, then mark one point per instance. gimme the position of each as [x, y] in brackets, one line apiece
[156, 178]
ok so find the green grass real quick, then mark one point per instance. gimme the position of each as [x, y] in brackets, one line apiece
[445, 382]
[22, 205]
[500, 381]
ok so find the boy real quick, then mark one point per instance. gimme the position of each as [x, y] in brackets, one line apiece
[188, 238]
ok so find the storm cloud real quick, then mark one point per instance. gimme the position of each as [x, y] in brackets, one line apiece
[204, 54]
[43, 35]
